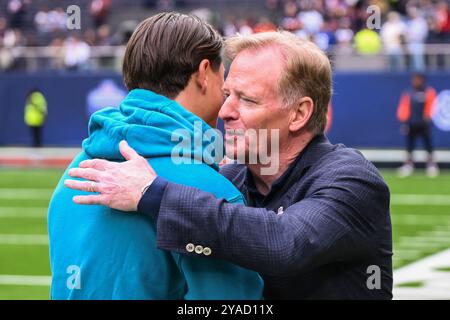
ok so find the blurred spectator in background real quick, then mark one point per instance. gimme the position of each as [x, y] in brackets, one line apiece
[442, 27]
[3, 25]
[442, 20]
[229, 27]
[310, 18]
[344, 35]
[274, 8]
[264, 25]
[90, 37]
[334, 25]
[57, 19]
[415, 112]
[48, 21]
[367, 42]
[35, 114]
[149, 3]
[99, 10]
[416, 35]
[393, 37]
[77, 53]
[6, 58]
[325, 38]
[165, 5]
[290, 21]
[244, 27]
[16, 10]
[11, 39]
[57, 46]
[104, 36]
[41, 20]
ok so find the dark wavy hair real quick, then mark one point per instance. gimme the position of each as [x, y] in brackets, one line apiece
[166, 49]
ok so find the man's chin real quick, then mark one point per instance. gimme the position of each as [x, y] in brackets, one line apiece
[236, 155]
[231, 153]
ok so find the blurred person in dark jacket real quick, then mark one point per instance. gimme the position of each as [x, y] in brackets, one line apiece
[414, 112]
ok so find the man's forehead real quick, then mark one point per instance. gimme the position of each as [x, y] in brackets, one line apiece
[252, 65]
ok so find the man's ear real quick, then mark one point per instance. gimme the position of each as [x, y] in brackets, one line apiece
[301, 114]
[202, 75]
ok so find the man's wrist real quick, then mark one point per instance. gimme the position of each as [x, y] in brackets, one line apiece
[152, 195]
[144, 189]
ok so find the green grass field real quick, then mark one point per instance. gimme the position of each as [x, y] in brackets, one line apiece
[420, 210]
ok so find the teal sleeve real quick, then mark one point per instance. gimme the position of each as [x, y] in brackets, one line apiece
[209, 279]
[212, 279]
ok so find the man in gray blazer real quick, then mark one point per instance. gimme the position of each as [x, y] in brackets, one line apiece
[317, 222]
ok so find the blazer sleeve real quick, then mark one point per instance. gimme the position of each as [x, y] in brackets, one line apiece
[338, 221]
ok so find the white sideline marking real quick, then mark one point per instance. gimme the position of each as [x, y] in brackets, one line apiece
[423, 245]
[421, 293]
[27, 193]
[413, 247]
[397, 155]
[437, 233]
[426, 239]
[16, 280]
[421, 219]
[23, 212]
[424, 216]
[24, 239]
[442, 228]
[436, 283]
[407, 254]
[403, 199]
[415, 199]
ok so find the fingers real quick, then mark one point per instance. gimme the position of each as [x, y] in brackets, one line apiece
[86, 173]
[92, 199]
[127, 152]
[98, 164]
[87, 186]
[78, 185]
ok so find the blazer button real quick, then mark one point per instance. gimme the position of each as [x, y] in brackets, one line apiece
[206, 251]
[199, 249]
[190, 247]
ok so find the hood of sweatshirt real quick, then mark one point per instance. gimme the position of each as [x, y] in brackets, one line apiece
[155, 126]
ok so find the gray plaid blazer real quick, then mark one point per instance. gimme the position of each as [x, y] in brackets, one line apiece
[324, 234]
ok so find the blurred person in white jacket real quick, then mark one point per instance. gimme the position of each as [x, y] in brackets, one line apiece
[416, 35]
[77, 53]
[393, 35]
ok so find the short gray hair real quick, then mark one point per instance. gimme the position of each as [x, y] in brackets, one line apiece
[307, 70]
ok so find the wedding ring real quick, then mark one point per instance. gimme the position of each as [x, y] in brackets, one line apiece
[92, 187]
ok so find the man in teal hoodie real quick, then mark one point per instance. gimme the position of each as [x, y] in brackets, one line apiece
[173, 69]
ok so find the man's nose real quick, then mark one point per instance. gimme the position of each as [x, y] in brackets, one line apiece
[229, 110]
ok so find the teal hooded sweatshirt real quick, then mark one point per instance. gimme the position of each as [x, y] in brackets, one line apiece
[100, 253]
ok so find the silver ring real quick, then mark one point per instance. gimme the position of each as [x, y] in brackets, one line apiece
[92, 187]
